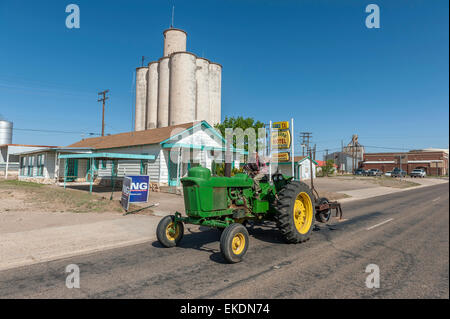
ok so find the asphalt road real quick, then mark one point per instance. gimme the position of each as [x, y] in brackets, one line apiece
[405, 234]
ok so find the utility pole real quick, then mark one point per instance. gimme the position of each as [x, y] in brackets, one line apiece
[306, 136]
[326, 154]
[103, 99]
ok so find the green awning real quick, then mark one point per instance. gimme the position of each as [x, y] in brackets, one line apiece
[112, 156]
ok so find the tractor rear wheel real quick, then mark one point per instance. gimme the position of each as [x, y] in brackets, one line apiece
[166, 234]
[295, 212]
[234, 242]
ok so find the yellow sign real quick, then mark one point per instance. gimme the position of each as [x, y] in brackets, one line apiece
[281, 157]
[281, 139]
[280, 125]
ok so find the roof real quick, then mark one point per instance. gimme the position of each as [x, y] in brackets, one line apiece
[136, 138]
[25, 145]
[109, 156]
[323, 163]
[298, 159]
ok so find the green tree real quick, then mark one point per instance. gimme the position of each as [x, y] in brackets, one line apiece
[328, 168]
[240, 122]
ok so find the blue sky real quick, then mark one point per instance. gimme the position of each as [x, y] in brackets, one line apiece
[313, 60]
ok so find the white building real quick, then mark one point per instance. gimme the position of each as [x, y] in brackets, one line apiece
[302, 168]
[174, 150]
[9, 158]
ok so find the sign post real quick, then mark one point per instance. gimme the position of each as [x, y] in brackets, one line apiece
[282, 138]
[293, 143]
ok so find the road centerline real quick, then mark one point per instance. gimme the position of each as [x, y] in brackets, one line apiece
[379, 224]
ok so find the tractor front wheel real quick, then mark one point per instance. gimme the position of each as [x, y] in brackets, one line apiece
[295, 212]
[167, 234]
[234, 242]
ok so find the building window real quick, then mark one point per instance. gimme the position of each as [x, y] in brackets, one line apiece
[104, 164]
[30, 166]
[22, 166]
[40, 165]
[144, 164]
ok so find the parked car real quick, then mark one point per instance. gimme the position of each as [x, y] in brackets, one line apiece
[418, 173]
[397, 172]
[360, 171]
[388, 173]
[374, 172]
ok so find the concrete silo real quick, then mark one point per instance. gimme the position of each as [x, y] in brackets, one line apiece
[174, 41]
[215, 87]
[183, 88]
[6, 131]
[202, 77]
[152, 95]
[141, 98]
[163, 92]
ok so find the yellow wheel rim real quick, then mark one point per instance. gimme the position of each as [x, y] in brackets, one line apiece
[172, 234]
[303, 213]
[238, 243]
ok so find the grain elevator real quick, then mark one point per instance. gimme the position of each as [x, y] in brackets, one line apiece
[178, 88]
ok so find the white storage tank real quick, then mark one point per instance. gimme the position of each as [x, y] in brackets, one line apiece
[215, 87]
[183, 88]
[141, 99]
[174, 41]
[6, 131]
[202, 77]
[152, 95]
[163, 92]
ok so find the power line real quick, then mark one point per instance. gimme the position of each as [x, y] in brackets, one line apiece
[53, 131]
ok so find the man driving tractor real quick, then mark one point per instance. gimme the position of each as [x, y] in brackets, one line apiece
[257, 171]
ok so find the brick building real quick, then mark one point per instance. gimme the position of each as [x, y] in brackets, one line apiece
[434, 162]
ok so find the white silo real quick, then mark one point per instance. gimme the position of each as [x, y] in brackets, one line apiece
[163, 92]
[174, 41]
[183, 88]
[6, 131]
[202, 77]
[152, 95]
[215, 87]
[141, 98]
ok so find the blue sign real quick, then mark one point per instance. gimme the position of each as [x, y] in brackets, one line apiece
[138, 188]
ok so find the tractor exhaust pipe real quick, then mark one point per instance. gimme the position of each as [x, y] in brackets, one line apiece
[227, 169]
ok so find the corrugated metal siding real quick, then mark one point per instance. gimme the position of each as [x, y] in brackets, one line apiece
[164, 169]
[133, 167]
[49, 168]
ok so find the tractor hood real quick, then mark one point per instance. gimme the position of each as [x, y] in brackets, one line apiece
[201, 176]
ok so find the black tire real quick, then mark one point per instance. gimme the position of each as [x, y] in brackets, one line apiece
[234, 243]
[164, 237]
[324, 216]
[285, 213]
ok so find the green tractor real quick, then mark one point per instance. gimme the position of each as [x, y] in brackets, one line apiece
[228, 203]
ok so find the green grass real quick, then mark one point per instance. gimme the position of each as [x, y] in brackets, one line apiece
[9, 183]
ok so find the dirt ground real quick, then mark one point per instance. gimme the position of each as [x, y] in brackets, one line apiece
[22, 196]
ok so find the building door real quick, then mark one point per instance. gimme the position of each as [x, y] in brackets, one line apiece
[72, 169]
[173, 169]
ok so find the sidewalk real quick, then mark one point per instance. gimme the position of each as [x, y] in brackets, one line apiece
[49, 243]
[364, 193]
